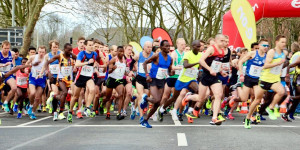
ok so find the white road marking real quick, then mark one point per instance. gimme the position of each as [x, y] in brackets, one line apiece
[181, 139]
[297, 117]
[177, 123]
[34, 121]
[120, 126]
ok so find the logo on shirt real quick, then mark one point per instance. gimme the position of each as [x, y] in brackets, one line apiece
[296, 3]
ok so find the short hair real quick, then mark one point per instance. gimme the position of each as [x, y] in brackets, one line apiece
[86, 41]
[98, 42]
[156, 40]
[162, 42]
[67, 44]
[180, 39]
[42, 47]
[210, 39]
[15, 50]
[202, 41]
[254, 44]
[127, 45]
[24, 58]
[53, 41]
[80, 38]
[31, 48]
[120, 47]
[5, 43]
[262, 40]
[278, 37]
[226, 36]
[295, 46]
[243, 50]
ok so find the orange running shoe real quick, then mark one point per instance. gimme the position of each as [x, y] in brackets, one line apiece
[196, 113]
[79, 115]
[190, 120]
[185, 100]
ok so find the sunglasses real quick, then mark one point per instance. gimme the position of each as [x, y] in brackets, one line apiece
[265, 45]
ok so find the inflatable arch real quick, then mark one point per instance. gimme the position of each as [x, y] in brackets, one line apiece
[262, 9]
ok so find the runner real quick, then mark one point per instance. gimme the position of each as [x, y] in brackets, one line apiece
[270, 78]
[84, 79]
[37, 80]
[117, 70]
[161, 67]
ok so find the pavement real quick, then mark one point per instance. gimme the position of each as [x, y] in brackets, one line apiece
[98, 133]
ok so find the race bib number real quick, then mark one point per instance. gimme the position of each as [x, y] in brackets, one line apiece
[161, 73]
[54, 69]
[119, 71]
[66, 71]
[141, 68]
[191, 72]
[35, 72]
[255, 70]
[216, 66]
[87, 71]
[21, 80]
[177, 72]
[127, 70]
[276, 70]
[101, 72]
[5, 69]
[225, 66]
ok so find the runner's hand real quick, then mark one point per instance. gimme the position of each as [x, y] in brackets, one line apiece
[91, 61]
[149, 79]
[8, 63]
[213, 73]
[282, 61]
[242, 78]
[36, 63]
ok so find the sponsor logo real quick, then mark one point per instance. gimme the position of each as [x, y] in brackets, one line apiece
[296, 3]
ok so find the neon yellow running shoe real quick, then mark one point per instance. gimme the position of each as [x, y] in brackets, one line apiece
[221, 118]
[208, 104]
[276, 112]
[247, 124]
[112, 107]
[104, 110]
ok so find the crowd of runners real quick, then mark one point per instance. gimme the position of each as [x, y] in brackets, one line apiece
[205, 78]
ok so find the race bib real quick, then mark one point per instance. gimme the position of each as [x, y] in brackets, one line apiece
[87, 71]
[54, 69]
[35, 72]
[225, 66]
[127, 69]
[255, 70]
[177, 72]
[216, 66]
[21, 80]
[5, 69]
[66, 71]
[283, 72]
[141, 68]
[191, 72]
[161, 73]
[276, 70]
[101, 72]
[119, 71]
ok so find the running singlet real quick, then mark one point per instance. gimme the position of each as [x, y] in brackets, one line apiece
[293, 60]
[128, 62]
[179, 63]
[109, 58]
[226, 61]
[99, 60]
[189, 74]
[272, 75]
[66, 68]
[160, 71]
[119, 72]
[22, 79]
[214, 61]
[254, 66]
[54, 66]
[141, 60]
[4, 60]
[86, 72]
[36, 70]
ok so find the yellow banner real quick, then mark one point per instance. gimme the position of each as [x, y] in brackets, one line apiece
[244, 19]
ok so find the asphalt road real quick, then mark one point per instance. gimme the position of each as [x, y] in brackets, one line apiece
[98, 133]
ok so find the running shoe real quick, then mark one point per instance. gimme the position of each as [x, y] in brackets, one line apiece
[180, 117]
[247, 124]
[55, 116]
[190, 120]
[160, 116]
[132, 115]
[185, 100]
[262, 118]
[215, 122]
[107, 116]
[112, 107]
[253, 120]
[174, 115]
[238, 109]
[39, 109]
[230, 117]
[67, 107]
[221, 118]
[120, 116]
[44, 109]
[196, 113]
[50, 110]
[19, 116]
[104, 110]
[79, 115]
[124, 113]
[6, 108]
[206, 112]
[191, 115]
[276, 112]
[50, 99]
[146, 124]
[208, 104]
[29, 111]
[32, 116]
[291, 115]
[70, 117]
[285, 118]
[61, 116]
[15, 109]
[141, 119]
[144, 102]
[258, 119]
[271, 113]
[93, 114]
[87, 112]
